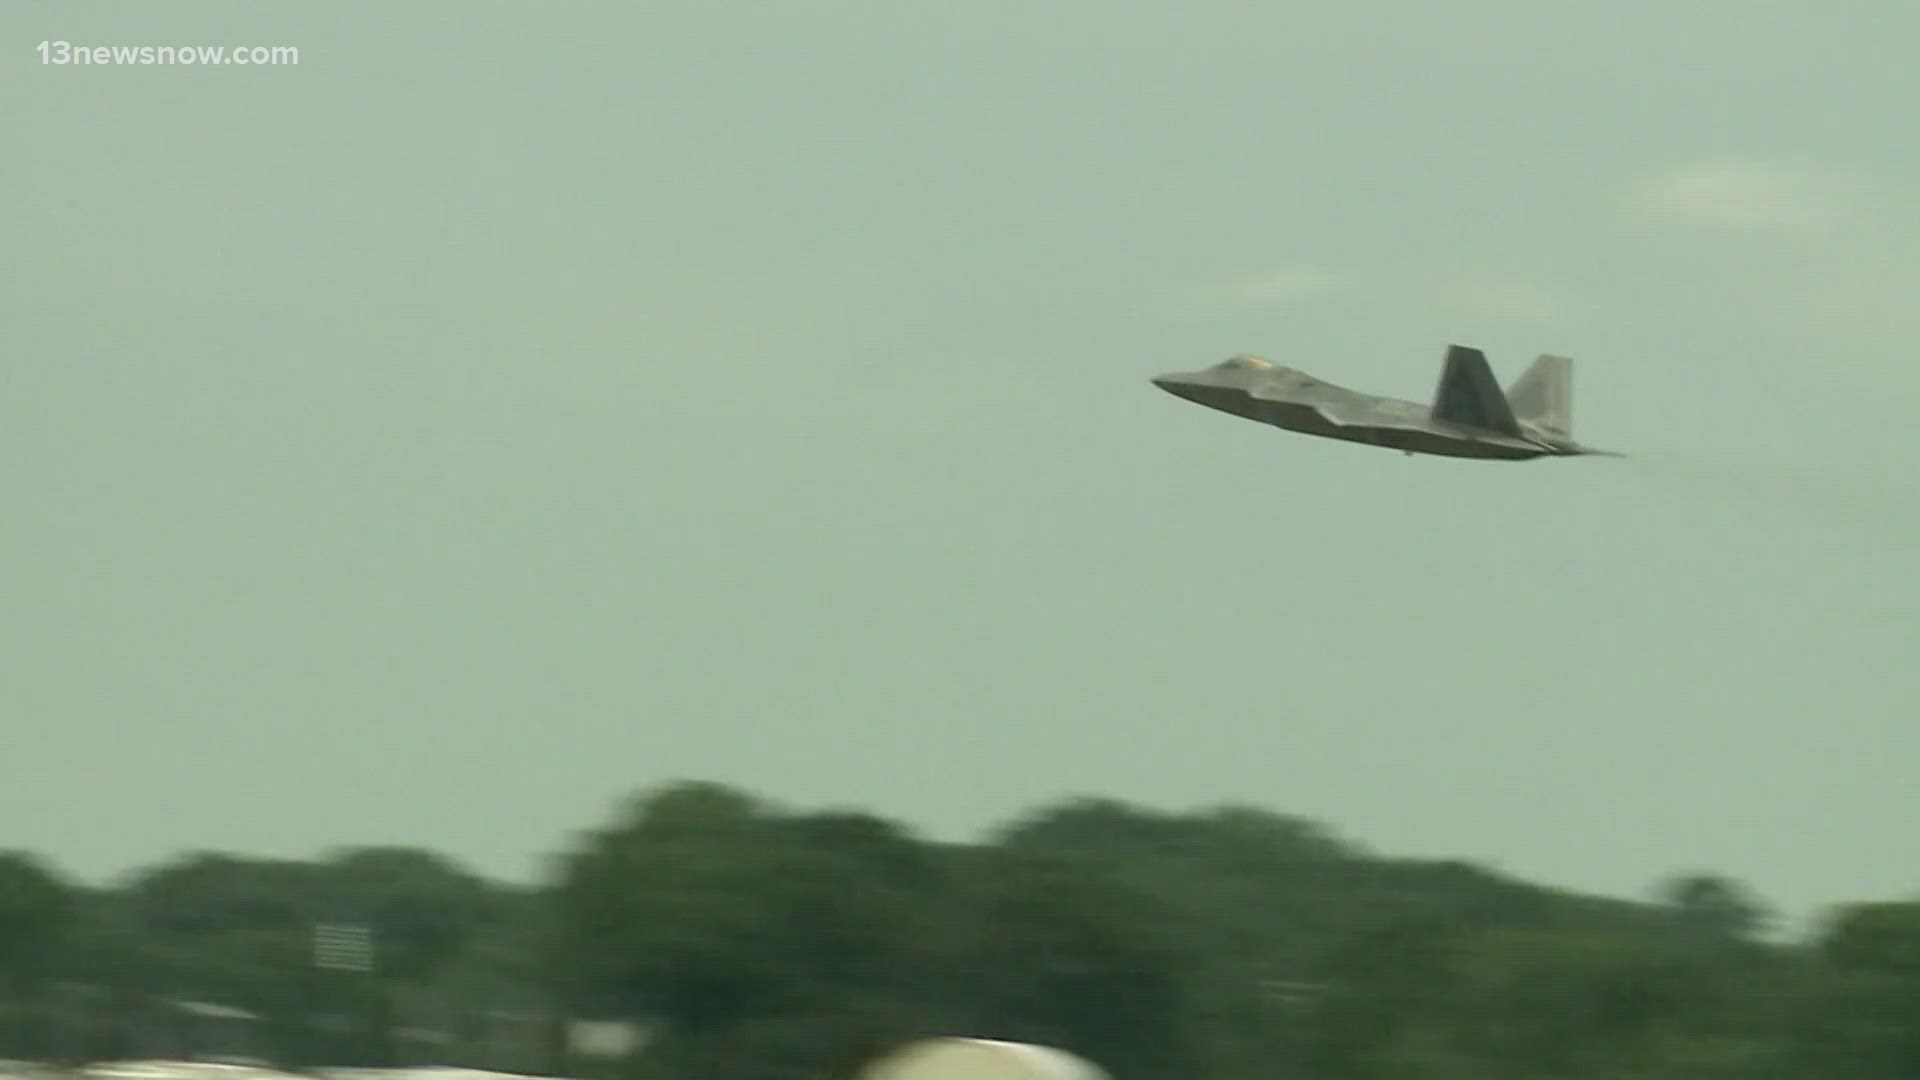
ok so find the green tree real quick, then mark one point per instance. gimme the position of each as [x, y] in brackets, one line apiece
[37, 911]
[1378, 986]
[422, 909]
[422, 912]
[223, 930]
[1256, 896]
[1063, 949]
[1866, 1021]
[1713, 907]
[730, 925]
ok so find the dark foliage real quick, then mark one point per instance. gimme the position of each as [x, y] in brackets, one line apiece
[751, 942]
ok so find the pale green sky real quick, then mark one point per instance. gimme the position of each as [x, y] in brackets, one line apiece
[513, 405]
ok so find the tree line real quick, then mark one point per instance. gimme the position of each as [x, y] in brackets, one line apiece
[748, 941]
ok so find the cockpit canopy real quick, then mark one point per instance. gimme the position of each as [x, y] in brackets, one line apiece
[1243, 363]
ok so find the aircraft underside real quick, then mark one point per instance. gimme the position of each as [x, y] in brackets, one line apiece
[1308, 420]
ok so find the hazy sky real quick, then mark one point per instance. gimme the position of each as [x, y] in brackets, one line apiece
[513, 405]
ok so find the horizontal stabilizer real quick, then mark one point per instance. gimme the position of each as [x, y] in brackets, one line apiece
[1469, 396]
[1543, 396]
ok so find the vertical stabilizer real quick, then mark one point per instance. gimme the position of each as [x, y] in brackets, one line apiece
[1543, 397]
[1468, 395]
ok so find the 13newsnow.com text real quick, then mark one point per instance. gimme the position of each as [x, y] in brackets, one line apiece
[65, 52]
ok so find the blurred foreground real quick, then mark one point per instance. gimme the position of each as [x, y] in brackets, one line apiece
[703, 934]
[204, 1070]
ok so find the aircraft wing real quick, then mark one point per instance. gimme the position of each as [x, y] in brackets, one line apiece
[1349, 409]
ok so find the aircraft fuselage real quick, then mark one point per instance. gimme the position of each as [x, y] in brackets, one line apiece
[1291, 399]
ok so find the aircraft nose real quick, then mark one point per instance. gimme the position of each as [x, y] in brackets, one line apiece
[1180, 384]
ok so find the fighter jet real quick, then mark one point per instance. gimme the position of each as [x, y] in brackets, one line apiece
[1469, 417]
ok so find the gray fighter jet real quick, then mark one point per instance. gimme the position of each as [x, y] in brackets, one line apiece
[1469, 417]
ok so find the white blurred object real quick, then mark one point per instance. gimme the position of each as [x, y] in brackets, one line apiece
[980, 1059]
[179, 1070]
[605, 1038]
